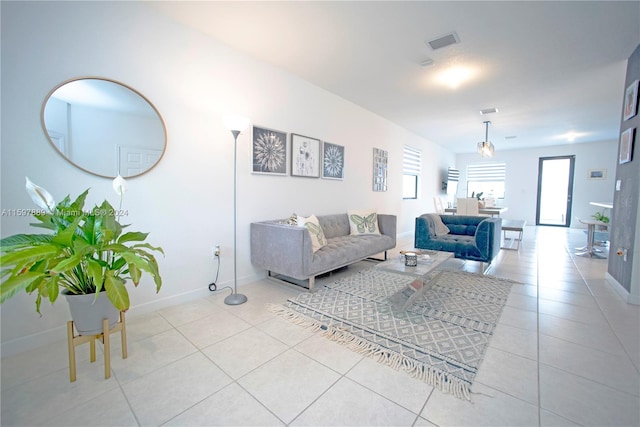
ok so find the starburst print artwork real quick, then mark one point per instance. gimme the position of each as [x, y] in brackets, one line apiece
[333, 161]
[269, 151]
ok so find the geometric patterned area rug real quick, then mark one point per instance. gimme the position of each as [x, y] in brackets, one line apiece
[440, 337]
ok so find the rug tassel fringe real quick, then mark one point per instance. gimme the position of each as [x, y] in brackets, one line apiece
[417, 370]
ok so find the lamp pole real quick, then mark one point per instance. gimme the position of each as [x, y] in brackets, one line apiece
[235, 298]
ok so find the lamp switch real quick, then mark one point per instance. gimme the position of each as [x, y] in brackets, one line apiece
[618, 184]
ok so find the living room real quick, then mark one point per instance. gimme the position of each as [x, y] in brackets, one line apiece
[185, 202]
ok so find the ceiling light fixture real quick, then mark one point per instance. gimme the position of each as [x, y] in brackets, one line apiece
[488, 111]
[571, 136]
[486, 148]
[455, 76]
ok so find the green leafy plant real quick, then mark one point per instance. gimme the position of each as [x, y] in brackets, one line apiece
[477, 196]
[599, 216]
[86, 253]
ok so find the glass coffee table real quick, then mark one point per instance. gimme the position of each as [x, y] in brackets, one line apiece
[427, 261]
[424, 273]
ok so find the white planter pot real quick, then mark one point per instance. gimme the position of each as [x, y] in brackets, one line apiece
[87, 312]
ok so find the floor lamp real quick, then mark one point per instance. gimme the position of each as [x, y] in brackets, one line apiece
[236, 124]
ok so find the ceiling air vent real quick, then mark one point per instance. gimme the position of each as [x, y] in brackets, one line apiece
[444, 41]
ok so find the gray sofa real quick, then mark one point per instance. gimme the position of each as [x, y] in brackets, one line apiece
[286, 250]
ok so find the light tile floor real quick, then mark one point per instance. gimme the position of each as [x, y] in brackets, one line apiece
[566, 352]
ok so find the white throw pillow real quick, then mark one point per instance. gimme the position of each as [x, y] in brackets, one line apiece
[312, 224]
[363, 222]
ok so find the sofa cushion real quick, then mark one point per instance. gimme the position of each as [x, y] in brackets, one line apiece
[315, 230]
[334, 225]
[292, 220]
[363, 222]
[462, 229]
[344, 250]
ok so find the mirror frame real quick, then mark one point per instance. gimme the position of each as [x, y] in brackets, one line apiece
[58, 86]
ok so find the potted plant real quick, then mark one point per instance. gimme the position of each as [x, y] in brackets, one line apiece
[479, 197]
[86, 254]
[599, 216]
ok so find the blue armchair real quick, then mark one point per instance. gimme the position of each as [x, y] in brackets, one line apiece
[469, 237]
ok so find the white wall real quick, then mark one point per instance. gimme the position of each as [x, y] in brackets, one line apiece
[522, 177]
[186, 201]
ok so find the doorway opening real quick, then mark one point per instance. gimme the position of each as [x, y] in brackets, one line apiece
[555, 190]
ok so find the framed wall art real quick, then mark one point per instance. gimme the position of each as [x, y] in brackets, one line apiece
[626, 145]
[380, 165]
[269, 151]
[631, 101]
[305, 156]
[332, 161]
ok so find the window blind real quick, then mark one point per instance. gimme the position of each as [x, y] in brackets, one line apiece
[453, 175]
[495, 172]
[411, 161]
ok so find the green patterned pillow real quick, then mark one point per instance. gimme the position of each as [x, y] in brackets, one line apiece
[318, 239]
[363, 222]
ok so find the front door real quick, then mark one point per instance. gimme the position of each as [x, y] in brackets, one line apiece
[555, 190]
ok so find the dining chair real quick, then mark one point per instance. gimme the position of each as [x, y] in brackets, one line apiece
[467, 206]
[439, 205]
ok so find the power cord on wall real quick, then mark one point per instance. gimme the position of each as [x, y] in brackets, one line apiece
[213, 286]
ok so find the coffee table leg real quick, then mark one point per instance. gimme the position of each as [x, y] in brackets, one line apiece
[427, 284]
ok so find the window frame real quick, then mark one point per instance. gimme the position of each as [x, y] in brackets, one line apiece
[411, 167]
[495, 172]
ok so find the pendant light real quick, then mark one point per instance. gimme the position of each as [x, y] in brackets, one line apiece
[485, 148]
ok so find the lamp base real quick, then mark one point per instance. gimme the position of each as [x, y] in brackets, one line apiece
[235, 299]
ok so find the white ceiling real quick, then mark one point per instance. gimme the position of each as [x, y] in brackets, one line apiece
[551, 68]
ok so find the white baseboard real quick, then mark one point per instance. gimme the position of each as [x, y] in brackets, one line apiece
[626, 295]
[39, 339]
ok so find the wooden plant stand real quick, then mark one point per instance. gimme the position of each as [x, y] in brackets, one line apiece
[76, 340]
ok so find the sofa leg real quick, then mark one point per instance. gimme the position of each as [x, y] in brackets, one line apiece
[299, 284]
[484, 269]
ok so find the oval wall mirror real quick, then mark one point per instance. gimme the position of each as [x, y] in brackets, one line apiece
[104, 127]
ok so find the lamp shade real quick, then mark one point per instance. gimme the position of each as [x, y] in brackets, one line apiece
[237, 123]
[486, 149]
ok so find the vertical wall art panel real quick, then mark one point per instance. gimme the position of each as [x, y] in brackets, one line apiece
[380, 164]
[332, 161]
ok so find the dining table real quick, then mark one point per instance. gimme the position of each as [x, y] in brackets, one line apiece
[608, 205]
[493, 211]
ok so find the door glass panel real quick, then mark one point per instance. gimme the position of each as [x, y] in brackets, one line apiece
[555, 184]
